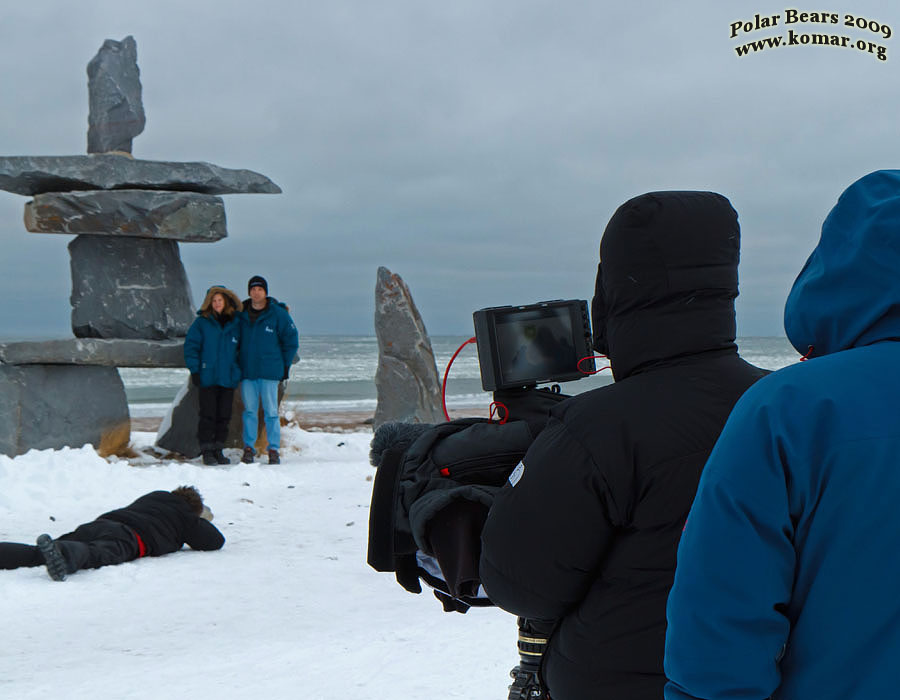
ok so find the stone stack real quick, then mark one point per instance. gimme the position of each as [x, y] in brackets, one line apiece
[131, 300]
[128, 216]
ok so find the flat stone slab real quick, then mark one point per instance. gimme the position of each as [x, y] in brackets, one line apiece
[31, 175]
[94, 351]
[179, 216]
[129, 288]
[50, 407]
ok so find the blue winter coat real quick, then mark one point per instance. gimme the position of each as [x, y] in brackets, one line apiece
[788, 578]
[269, 344]
[211, 350]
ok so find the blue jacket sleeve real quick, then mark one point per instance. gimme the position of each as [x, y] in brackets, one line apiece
[193, 344]
[288, 339]
[727, 623]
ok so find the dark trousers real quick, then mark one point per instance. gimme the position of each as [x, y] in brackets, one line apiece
[215, 414]
[89, 546]
[13, 555]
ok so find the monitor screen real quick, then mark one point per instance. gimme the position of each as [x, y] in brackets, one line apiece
[535, 344]
[520, 346]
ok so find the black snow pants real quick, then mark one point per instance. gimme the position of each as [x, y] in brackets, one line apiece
[89, 546]
[215, 414]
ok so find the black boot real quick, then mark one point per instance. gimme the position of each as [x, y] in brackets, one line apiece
[53, 558]
[209, 458]
[221, 458]
[274, 458]
[248, 455]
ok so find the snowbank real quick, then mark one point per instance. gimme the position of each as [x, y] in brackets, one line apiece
[287, 609]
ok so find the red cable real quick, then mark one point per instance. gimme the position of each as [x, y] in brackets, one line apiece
[809, 352]
[446, 374]
[494, 407]
[591, 357]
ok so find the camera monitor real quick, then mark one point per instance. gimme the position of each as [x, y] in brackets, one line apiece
[521, 346]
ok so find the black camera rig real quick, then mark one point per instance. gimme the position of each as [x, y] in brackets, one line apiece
[435, 483]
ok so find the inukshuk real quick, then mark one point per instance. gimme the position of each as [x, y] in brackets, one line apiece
[131, 301]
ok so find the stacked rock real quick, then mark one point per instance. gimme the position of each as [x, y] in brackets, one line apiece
[131, 301]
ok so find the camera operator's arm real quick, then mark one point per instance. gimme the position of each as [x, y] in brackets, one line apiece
[548, 529]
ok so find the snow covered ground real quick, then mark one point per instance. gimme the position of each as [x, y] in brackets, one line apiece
[288, 609]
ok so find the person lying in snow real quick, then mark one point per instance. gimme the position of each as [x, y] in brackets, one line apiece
[157, 523]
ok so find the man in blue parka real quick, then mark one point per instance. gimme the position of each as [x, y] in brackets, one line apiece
[269, 342]
[788, 578]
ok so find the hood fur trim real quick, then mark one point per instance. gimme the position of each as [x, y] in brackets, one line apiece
[233, 303]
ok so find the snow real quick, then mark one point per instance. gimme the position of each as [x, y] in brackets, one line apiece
[287, 609]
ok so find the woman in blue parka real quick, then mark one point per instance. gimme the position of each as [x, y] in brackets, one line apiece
[211, 355]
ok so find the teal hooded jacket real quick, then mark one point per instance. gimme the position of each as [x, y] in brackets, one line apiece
[211, 347]
[788, 576]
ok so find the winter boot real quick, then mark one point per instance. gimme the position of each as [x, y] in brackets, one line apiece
[273, 457]
[53, 558]
[220, 457]
[209, 458]
[248, 455]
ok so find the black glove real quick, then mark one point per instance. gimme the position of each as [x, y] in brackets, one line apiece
[195, 380]
[287, 372]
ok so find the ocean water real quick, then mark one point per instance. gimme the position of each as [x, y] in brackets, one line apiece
[337, 373]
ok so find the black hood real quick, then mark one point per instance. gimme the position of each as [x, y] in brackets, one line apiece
[667, 279]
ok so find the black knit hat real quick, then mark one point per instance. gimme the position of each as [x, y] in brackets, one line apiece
[257, 281]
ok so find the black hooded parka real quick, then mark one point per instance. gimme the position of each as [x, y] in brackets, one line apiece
[165, 523]
[584, 535]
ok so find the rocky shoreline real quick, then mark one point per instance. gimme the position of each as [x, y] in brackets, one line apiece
[320, 421]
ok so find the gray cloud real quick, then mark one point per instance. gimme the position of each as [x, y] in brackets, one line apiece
[475, 148]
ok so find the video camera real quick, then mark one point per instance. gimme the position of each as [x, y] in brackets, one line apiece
[435, 483]
[522, 346]
[518, 348]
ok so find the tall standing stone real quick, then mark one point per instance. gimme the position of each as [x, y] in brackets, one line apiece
[116, 113]
[406, 380]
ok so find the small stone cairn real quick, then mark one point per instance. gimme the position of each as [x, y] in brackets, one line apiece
[131, 301]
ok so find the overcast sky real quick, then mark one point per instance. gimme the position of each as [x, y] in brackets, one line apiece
[475, 147]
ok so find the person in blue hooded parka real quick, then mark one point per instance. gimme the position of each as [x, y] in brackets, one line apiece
[211, 354]
[788, 577]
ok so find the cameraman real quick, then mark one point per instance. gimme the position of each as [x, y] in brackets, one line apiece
[582, 541]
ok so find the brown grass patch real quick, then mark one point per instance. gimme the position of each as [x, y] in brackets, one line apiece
[116, 441]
